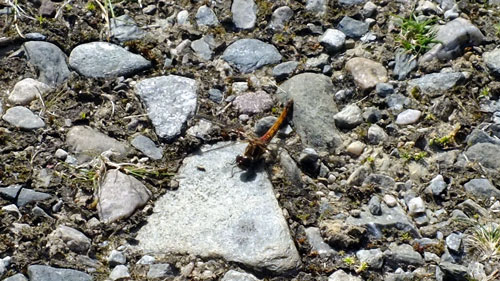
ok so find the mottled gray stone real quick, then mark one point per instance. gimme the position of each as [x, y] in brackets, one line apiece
[22, 117]
[486, 154]
[384, 89]
[88, 143]
[313, 109]
[333, 40]
[374, 206]
[454, 243]
[116, 257]
[405, 63]
[396, 102]
[170, 101]
[402, 256]
[106, 60]
[392, 219]
[353, 28]
[366, 73]
[233, 275]
[316, 6]
[147, 146]
[351, 2]
[482, 188]
[407, 117]
[436, 84]
[492, 60]
[117, 188]
[26, 91]
[160, 270]
[376, 134]
[316, 241]
[48, 273]
[120, 272]
[280, 17]
[453, 271]
[244, 13]
[49, 60]
[349, 117]
[205, 16]
[480, 136]
[437, 185]
[340, 275]
[248, 55]
[203, 47]
[453, 37]
[124, 28]
[216, 214]
[374, 257]
[284, 69]
[74, 239]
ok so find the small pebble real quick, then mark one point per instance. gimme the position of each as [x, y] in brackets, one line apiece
[356, 148]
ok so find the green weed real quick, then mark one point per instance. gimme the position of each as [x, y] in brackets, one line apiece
[416, 36]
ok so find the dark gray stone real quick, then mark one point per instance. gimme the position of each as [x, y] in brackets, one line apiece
[313, 109]
[353, 28]
[27, 196]
[436, 84]
[283, 70]
[453, 37]
[372, 114]
[383, 182]
[392, 220]
[384, 89]
[147, 146]
[351, 2]
[479, 136]
[492, 60]
[124, 28]
[374, 206]
[482, 189]
[454, 243]
[486, 154]
[405, 63]
[248, 55]
[48, 273]
[215, 95]
[170, 101]
[376, 134]
[453, 272]
[397, 102]
[402, 256]
[105, 60]
[49, 60]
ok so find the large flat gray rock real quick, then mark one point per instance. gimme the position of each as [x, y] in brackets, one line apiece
[436, 84]
[313, 109]
[170, 101]
[48, 273]
[216, 214]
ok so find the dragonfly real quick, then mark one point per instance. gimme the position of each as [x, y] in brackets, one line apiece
[256, 148]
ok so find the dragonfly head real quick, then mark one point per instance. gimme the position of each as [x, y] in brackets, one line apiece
[243, 162]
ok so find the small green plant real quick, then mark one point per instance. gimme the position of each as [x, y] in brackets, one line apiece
[362, 267]
[68, 7]
[497, 27]
[350, 260]
[408, 155]
[406, 236]
[485, 92]
[41, 20]
[90, 6]
[416, 36]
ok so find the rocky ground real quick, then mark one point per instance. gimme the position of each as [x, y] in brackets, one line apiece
[121, 122]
